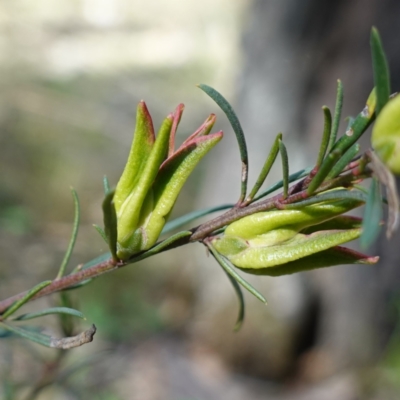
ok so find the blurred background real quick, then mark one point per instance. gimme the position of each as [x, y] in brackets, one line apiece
[72, 72]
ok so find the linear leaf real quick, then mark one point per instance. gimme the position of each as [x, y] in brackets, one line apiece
[106, 185]
[48, 341]
[28, 334]
[49, 311]
[187, 218]
[19, 303]
[329, 195]
[222, 261]
[162, 246]
[381, 71]
[239, 293]
[326, 135]
[110, 223]
[237, 128]
[278, 185]
[372, 215]
[337, 115]
[285, 168]
[74, 234]
[344, 161]
[358, 126]
[101, 232]
[269, 162]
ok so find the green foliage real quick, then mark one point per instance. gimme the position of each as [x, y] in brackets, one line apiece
[299, 229]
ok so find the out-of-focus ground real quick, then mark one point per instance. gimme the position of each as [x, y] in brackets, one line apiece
[72, 73]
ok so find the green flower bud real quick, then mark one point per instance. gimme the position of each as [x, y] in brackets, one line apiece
[386, 135]
[153, 178]
[287, 241]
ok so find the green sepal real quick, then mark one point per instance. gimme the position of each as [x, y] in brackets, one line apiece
[143, 141]
[328, 258]
[298, 247]
[170, 180]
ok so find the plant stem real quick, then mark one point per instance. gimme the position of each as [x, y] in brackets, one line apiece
[198, 234]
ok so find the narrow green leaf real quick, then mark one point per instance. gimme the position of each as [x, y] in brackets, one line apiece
[110, 223]
[78, 285]
[102, 258]
[269, 162]
[372, 215]
[279, 184]
[192, 216]
[323, 171]
[45, 340]
[106, 185]
[326, 135]
[337, 115]
[344, 161]
[162, 246]
[222, 261]
[142, 145]
[353, 133]
[329, 195]
[49, 311]
[101, 232]
[239, 293]
[74, 234]
[169, 182]
[328, 258]
[19, 303]
[381, 71]
[358, 126]
[28, 334]
[285, 168]
[237, 128]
